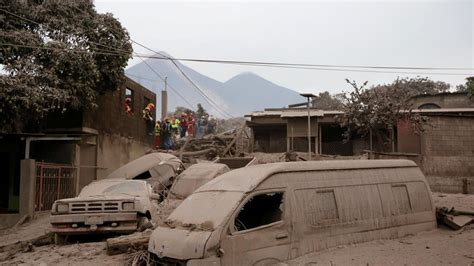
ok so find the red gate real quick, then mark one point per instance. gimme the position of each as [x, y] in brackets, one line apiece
[53, 182]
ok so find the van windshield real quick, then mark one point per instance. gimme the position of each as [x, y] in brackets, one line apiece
[205, 210]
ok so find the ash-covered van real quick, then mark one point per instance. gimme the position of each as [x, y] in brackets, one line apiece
[265, 214]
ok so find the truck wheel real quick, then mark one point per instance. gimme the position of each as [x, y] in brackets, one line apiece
[143, 223]
[60, 239]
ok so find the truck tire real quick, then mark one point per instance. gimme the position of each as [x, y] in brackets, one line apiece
[144, 223]
[60, 239]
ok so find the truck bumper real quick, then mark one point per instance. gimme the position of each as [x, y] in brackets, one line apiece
[72, 224]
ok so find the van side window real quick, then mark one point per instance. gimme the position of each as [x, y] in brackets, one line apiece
[319, 205]
[401, 200]
[260, 210]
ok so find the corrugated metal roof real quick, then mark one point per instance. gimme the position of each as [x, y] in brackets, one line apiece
[266, 113]
[301, 113]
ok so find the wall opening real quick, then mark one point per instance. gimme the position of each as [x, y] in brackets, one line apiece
[332, 140]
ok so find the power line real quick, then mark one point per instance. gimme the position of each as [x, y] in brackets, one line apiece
[174, 90]
[203, 94]
[313, 65]
[259, 63]
[96, 51]
[242, 64]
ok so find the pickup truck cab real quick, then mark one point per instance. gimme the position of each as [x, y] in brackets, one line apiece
[105, 206]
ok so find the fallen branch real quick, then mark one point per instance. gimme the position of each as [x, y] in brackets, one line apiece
[133, 242]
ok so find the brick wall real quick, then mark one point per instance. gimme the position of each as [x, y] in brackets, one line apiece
[448, 146]
[110, 117]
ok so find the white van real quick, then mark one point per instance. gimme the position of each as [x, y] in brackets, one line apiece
[269, 213]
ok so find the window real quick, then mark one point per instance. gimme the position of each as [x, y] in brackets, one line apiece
[129, 101]
[401, 202]
[260, 210]
[319, 206]
[429, 106]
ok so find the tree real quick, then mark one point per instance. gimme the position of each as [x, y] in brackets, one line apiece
[467, 87]
[60, 55]
[380, 108]
[326, 101]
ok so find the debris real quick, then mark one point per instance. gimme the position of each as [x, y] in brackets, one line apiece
[455, 219]
[126, 243]
[457, 222]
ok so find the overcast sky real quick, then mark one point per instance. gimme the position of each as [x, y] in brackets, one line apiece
[382, 33]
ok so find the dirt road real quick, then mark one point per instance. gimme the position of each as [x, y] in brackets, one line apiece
[441, 246]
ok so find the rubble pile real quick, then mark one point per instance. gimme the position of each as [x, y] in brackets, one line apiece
[190, 150]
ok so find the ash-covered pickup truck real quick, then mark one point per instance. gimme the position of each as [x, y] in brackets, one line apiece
[105, 206]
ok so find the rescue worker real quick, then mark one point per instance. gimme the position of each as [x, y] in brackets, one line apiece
[148, 117]
[166, 132]
[157, 134]
[128, 107]
[183, 125]
[191, 122]
[175, 125]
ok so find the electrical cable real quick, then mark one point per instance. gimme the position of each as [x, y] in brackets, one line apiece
[245, 64]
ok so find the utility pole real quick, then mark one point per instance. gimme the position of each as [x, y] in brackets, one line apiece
[164, 101]
[308, 96]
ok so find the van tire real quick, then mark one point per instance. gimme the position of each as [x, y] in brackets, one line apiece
[60, 240]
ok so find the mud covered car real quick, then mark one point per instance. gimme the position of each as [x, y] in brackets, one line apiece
[158, 169]
[186, 183]
[105, 206]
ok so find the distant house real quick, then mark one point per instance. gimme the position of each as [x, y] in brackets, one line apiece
[70, 150]
[446, 149]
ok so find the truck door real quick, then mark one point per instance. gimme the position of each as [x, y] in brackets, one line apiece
[258, 233]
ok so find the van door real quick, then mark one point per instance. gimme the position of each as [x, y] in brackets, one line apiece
[258, 232]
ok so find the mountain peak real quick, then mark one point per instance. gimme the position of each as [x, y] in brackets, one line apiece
[247, 75]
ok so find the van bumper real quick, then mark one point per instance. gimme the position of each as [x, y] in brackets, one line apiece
[75, 224]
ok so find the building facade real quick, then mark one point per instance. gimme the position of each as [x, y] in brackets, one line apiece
[69, 150]
[444, 152]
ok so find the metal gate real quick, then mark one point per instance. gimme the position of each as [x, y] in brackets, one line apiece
[53, 182]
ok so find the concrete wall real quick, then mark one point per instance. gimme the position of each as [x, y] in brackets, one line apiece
[448, 146]
[444, 100]
[114, 151]
[27, 195]
[298, 127]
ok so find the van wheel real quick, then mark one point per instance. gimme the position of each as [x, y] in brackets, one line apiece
[60, 239]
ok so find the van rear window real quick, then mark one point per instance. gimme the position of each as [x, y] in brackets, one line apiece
[401, 201]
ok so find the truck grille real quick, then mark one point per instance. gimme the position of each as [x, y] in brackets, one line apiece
[84, 207]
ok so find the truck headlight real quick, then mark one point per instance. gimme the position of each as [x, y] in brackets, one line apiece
[62, 208]
[128, 206]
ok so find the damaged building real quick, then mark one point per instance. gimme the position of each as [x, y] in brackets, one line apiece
[70, 150]
[445, 151]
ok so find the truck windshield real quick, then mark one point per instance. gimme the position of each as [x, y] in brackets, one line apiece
[205, 210]
[128, 187]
